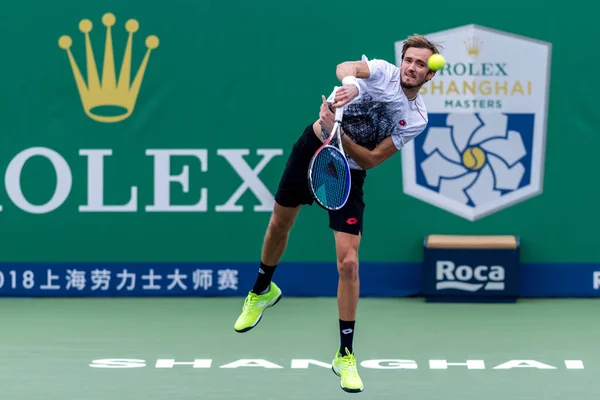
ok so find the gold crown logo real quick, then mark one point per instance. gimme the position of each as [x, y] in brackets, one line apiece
[110, 92]
[473, 46]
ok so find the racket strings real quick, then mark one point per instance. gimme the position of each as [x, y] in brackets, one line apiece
[330, 178]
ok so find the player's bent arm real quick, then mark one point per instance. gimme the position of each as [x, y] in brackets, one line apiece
[358, 69]
[367, 159]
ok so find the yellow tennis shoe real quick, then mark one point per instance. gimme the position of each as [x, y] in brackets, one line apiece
[345, 368]
[254, 306]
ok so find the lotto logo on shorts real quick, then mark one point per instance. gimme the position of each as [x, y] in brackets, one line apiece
[468, 278]
[483, 148]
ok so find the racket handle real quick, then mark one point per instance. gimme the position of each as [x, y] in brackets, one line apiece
[339, 113]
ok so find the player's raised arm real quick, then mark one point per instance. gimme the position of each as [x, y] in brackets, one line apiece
[357, 69]
[347, 72]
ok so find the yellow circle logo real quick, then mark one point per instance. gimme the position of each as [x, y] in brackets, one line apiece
[473, 158]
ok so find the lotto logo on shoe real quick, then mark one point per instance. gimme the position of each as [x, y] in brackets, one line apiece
[468, 278]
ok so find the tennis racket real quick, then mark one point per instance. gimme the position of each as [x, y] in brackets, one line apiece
[329, 172]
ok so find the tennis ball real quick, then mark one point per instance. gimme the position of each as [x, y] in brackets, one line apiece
[436, 62]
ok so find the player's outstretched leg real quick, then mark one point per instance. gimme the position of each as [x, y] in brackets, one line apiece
[344, 362]
[265, 292]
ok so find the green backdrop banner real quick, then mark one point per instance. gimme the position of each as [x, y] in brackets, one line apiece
[169, 146]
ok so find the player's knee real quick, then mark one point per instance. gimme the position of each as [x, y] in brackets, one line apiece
[282, 219]
[279, 226]
[348, 266]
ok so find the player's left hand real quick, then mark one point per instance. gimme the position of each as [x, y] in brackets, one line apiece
[326, 117]
[344, 95]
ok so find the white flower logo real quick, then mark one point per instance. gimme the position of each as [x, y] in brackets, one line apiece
[475, 160]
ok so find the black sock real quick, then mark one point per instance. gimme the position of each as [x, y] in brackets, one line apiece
[263, 280]
[346, 336]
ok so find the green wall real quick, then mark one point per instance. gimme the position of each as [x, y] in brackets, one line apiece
[249, 75]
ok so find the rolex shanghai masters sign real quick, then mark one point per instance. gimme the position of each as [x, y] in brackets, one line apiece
[483, 149]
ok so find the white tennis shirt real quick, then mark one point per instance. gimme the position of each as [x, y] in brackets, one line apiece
[381, 109]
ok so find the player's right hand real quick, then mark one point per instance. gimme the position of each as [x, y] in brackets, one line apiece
[344, 95]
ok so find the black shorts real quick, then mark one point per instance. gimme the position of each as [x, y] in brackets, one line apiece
[294, 189]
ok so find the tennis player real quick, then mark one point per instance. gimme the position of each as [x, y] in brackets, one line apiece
[383, 111]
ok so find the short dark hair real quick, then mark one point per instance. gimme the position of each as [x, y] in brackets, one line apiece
[421, 42]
